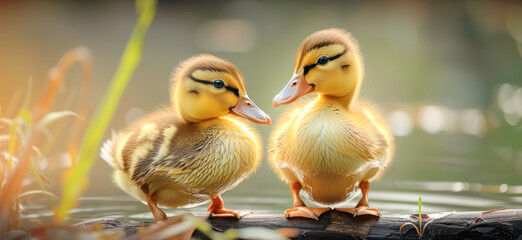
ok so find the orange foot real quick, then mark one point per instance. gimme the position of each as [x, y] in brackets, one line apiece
[228, 213]
[363, 210]
[217, 209]
[305, 212]
[360, 211]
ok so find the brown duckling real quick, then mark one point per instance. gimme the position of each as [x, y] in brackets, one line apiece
[194, 151]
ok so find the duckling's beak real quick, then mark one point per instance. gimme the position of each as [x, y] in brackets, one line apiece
[247, 109]
[296, 88]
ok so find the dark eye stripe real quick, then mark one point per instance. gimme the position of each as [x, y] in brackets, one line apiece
[307, 68]
[336, 56]
[235, 91]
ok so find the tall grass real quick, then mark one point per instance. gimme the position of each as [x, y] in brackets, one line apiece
[25, 135]
[27, 129]
[75, 180]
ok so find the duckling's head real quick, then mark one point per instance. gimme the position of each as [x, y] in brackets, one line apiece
[206, 87]
[328, 62]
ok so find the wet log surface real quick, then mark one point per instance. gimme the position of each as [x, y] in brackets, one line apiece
[503, 224]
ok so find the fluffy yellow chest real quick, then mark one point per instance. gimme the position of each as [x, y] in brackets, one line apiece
[324, 139]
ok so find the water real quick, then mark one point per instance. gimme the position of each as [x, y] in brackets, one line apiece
[391, 198]
[446, 75]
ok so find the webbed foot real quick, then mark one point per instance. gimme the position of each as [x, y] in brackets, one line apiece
[305, 212]
[228, 213]
[363, 210]
[217, 209]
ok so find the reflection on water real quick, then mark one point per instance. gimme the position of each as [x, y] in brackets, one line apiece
[399, 197]
[436, 119]
[510, 101]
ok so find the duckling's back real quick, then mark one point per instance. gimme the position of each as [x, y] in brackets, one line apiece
[185, 163]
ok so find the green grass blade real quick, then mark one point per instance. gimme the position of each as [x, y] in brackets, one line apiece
[27, 99]
[37, 175]
[76, 179]
[420, 214]
[12, 144]
[13, 103]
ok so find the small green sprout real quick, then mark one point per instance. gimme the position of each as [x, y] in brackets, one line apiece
[420, 230]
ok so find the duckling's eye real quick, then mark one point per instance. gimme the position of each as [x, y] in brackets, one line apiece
[218, 83]
[322, 60]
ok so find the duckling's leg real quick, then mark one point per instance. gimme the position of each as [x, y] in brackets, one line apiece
[363, 207]
[217, 209]
[152, 202]
[300, 209]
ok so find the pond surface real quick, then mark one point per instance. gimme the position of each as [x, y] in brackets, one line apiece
[389, 198]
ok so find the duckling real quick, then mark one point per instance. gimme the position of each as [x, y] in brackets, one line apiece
[192, 152]
[330, 146]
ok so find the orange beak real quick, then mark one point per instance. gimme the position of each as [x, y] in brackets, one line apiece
[296, 88]
[247, 109]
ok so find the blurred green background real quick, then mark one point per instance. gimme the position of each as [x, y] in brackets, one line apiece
[446, 74]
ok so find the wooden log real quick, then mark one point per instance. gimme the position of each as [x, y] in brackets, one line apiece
[503, 224]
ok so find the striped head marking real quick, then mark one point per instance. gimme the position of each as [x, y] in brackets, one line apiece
[206, 87]
[328, 62]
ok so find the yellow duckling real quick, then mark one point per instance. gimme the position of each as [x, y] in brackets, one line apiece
[195, 151]
[331, 146]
